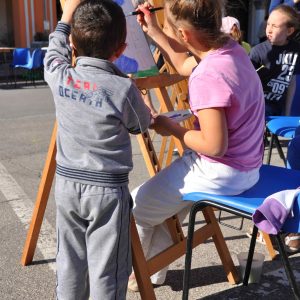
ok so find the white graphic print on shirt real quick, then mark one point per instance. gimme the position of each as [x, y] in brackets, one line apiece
[280, 84]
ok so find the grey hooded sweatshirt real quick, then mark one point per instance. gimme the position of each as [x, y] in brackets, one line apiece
[97, 106]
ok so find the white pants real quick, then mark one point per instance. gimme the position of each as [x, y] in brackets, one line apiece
[161, 197]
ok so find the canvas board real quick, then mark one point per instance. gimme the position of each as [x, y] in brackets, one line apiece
[137, 58]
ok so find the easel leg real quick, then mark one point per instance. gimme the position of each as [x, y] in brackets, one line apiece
[269, 245]
[41, 202]
[140, 265]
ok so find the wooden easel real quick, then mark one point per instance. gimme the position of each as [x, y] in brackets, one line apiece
[143, 269]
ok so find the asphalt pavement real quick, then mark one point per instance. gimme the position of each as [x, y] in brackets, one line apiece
[26, 121]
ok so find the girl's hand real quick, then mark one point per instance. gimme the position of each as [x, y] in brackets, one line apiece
[161, 125]
[147, 20]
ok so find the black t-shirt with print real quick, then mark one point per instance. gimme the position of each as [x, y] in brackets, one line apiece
[279, 63]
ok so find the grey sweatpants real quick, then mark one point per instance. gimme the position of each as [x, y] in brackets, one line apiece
[93, 241]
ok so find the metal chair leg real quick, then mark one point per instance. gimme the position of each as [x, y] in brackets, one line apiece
[189, 247]
[15, 77]
[270, 149]
[287, 267]
[228, 225]
[250, 255]
[279, 149]
[266, 134]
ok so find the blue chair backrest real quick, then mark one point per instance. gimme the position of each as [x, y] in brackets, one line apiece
[37, 58]
[284, 126]
[21, 56]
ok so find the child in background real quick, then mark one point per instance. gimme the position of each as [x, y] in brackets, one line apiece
[224, 151]
[277, 59]
[231, 26]
[292, 3]
[97, 107]
[295, 105]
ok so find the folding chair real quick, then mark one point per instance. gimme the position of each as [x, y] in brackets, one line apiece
[21, 57]
[35, 64]
[281, 126]
[272, 179]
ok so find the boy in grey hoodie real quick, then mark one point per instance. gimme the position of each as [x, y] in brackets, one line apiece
[97, 107]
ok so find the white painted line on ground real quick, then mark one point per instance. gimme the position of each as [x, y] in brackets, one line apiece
[23, 208]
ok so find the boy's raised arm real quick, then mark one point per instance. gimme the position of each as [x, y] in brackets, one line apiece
[179, 59]
[59, 54]
[69, 8]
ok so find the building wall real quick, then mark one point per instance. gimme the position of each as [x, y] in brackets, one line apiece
[21, 21]
[6, 24]
[3, 22]
[32, 19]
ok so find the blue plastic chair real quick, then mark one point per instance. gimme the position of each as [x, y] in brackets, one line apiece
[35, 63]
[272, 179]
[281, 126]
[31, 64]
[21, 57]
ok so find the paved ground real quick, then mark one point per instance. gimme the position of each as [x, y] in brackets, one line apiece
[26, 121]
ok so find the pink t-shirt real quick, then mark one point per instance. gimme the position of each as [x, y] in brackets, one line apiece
[226, 78]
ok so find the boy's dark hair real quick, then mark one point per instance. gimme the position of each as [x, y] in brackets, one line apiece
[98, 28]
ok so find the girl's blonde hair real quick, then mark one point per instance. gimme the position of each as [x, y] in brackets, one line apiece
[291, 13]
[236, 34]
[203, 15]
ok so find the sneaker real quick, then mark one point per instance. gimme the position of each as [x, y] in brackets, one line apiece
[132, 285]
[292, 242]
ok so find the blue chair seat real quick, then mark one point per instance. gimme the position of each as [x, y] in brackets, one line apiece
[27, 65]
[272, 179]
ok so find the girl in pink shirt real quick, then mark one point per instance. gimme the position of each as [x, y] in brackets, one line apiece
[224, 151]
